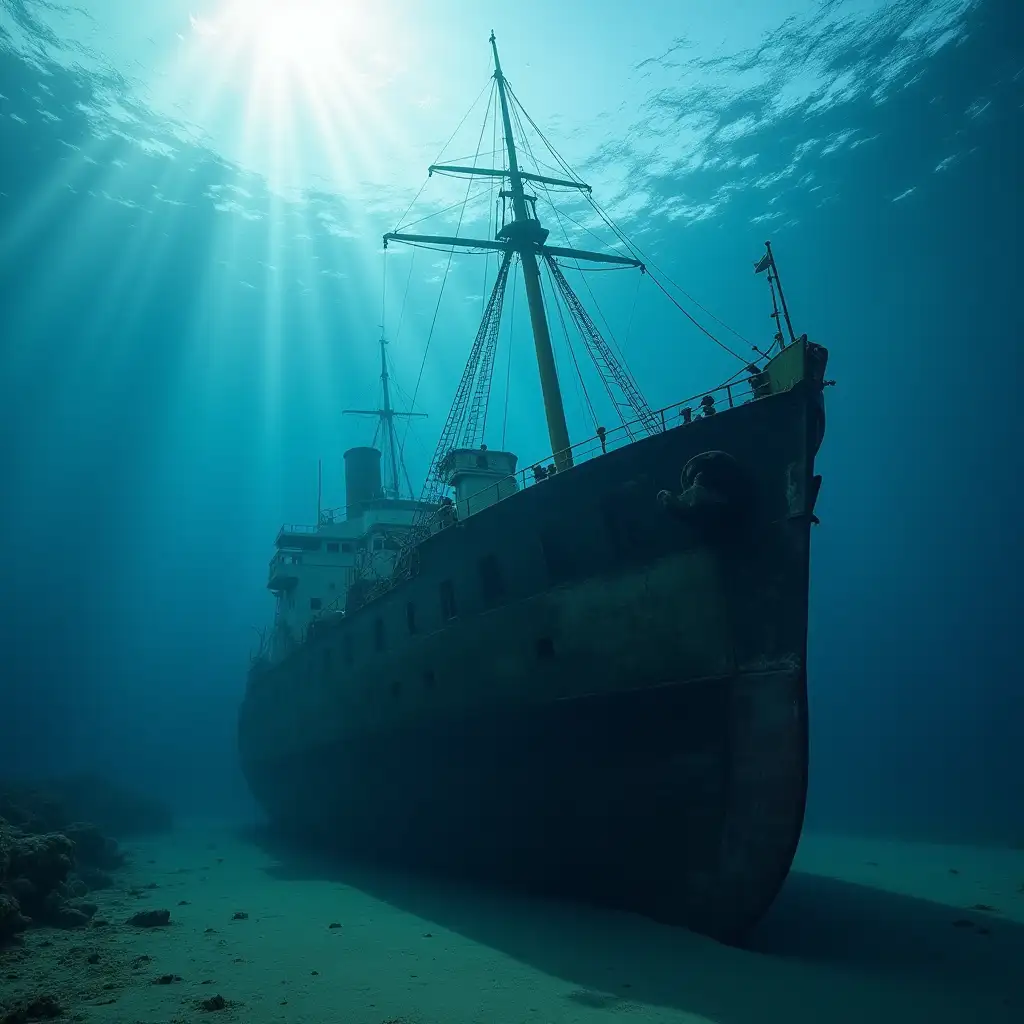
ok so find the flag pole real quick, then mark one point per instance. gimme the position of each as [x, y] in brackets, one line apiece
[319, 489]
[782, 297]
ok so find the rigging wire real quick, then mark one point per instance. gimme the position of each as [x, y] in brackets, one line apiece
[447, 209]
[468, 156]
[651, 265]
[554, 290]
[577, 380]
[623, 368]
[490, 207]
[636, 252]
[447, 270]
[490, 83]
[581, 384]
[405, 298]
[632, 312]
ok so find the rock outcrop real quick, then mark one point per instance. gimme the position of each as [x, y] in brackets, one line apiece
[51, 856]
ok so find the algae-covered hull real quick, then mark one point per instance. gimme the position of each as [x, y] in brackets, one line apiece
[603, 694]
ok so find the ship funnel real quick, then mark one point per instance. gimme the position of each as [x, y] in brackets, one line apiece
[362, 478]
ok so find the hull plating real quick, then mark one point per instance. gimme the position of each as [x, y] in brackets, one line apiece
[622, 719]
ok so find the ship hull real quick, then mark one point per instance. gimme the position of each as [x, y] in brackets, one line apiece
[624, 720]
[683, 803]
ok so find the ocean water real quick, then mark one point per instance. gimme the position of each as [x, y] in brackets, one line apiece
[192, 288]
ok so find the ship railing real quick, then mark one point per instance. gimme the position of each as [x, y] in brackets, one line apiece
[295, 529]
[678, 415]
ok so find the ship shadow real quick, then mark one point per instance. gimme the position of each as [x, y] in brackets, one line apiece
[857, 933]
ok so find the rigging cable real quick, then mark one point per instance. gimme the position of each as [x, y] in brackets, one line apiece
[615, 363]
[581, 384]
[405, 299]
[448, 209]
[447, 269]
[637, 253]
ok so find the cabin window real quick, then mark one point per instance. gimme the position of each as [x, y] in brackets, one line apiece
[492, 586]
[410, 617]
[378, 543]
[332, 546]
[481, 461]
[378, 634]
[346, 547]
[448, 609]
[315, 604]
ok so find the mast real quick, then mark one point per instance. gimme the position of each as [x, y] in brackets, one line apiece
[386, 416]
[525, 236]
[782, 296]
[525, 232]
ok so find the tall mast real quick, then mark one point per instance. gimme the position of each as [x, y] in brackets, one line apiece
[386, 416]
[524, 233]
[525, 236]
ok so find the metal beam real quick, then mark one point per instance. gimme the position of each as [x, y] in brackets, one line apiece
[593, 257]
[543, 250]
[377, 412]
[467, 243]
[525, 175]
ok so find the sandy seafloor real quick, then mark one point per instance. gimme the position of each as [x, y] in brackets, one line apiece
[864, 931]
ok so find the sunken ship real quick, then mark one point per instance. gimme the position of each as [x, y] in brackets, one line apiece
[586, 676]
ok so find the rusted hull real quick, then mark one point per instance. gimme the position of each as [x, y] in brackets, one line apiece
[625, 722]
[683, 803]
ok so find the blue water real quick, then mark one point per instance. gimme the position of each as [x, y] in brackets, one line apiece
[193, 287]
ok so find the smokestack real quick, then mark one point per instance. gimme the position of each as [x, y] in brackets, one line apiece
[362, 478]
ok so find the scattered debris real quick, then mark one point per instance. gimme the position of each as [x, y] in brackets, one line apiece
[183, 903]
[240, 915]
[953, 871]
[38, 1008]
[150, 919]
[334, 924]
[986, 908]
[215, 1003]
[166, 979]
